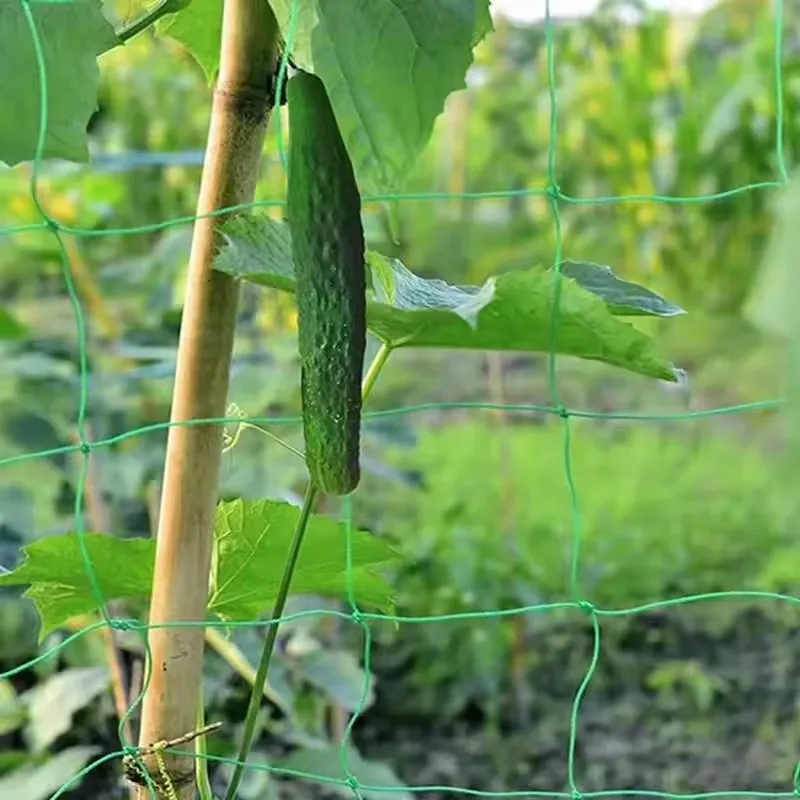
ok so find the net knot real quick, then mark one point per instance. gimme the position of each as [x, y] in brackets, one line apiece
[562, 411]
[352, 783]
[575, 795]
[553, 191]
[122, 624]
[588, 607]
[51, 225]
[86, 448]
[357, 617]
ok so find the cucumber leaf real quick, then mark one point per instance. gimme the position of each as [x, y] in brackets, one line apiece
[623, 298]
[389, 66]
[72, 35]
[251, 543]
[510, 312]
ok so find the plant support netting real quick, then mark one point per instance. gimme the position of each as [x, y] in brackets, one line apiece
[580, 600]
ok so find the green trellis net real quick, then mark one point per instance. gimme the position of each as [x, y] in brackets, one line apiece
[556, 198]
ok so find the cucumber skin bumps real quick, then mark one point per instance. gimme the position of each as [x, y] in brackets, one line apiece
[324, 213]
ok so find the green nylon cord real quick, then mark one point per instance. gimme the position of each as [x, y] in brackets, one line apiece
[578, 603]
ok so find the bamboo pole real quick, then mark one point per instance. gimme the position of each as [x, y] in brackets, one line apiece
[240, 111]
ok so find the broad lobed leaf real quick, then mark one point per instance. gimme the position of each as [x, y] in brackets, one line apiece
[388, 65]
[512, 311]
[251, 538]
[72, 35]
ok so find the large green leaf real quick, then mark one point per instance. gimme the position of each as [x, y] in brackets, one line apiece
[72, 35]
[58, 582]
[252, 539]
[388, 66]
[252, 542]
[512, 311]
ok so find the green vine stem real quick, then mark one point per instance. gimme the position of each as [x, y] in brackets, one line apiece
[254, 706]
[201, 750]
[136, 26]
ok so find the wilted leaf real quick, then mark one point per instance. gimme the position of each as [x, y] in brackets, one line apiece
[72, 35]
[326, 763]
[51, 704]
[39, 782]
[509, 312]
[388, 65]
[252, 543]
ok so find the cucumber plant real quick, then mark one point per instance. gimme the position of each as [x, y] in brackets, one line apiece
[358, 120]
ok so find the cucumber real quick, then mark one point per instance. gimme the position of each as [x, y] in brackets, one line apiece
[324, 214]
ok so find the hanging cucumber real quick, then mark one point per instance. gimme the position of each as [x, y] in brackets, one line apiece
[324, 211]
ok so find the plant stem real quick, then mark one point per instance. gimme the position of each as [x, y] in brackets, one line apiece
[135, 27]
[200, 751]
[241, 105]
[254, 706]
[374, 369]
[99, 517]
[269, 644]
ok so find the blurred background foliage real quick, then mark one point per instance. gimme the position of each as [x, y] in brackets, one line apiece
[679, 106]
